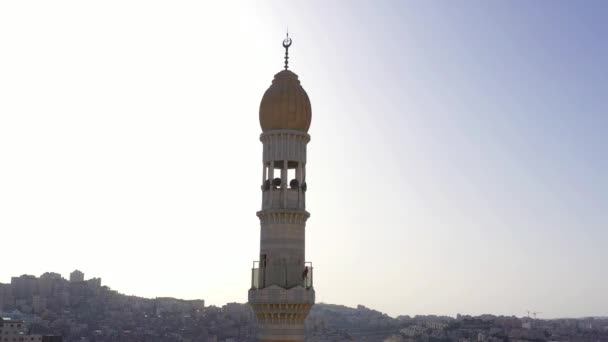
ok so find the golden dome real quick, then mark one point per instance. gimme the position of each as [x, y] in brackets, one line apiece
[285, 105]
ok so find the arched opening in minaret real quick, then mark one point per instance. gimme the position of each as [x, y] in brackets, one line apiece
[277, 176]
[283, 184]
[291, 176]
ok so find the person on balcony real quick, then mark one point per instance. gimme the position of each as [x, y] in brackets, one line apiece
[305, 273]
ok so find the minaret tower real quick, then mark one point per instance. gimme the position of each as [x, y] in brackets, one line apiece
[281, 291]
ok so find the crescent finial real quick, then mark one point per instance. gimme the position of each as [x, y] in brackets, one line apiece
[286, 44]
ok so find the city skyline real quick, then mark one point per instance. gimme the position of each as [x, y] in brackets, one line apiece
[458, 162]
[82, 310]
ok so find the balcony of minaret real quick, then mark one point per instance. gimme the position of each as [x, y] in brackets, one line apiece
[285, 276]
[284, 185]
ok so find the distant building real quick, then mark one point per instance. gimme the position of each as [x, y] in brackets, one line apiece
[12, 327]
[76, 277]
[39, 304]
[197, 304]
[7, 301]
[16, 330]
[50, 275]
[238, 311]
[170, 305]
[94, 283]
[24, 286]
[48, 283]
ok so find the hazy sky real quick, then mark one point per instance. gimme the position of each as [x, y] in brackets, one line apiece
[458, 158]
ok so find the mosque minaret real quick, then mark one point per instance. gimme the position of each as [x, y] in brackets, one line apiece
[281, 291]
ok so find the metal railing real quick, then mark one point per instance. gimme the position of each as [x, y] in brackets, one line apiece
[286, 276]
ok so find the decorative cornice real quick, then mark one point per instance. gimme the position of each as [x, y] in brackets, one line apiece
[280, 132]
[283, 216]
[281, 314]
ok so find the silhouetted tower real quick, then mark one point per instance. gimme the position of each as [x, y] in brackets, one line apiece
[282, 291]
[76, 276]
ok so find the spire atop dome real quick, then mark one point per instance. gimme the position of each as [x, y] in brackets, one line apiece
[286, 44]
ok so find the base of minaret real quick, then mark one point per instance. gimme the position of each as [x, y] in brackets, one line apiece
[281, 313]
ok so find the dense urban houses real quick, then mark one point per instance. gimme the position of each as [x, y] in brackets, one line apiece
[15, 330]
[100, 314]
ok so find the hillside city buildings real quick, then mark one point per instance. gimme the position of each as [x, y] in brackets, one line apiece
[104, 315]
[85, 311]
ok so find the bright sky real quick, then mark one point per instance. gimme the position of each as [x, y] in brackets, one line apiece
[458, 158]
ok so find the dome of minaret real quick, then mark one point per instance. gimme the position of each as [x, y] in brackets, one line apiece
[285, 105]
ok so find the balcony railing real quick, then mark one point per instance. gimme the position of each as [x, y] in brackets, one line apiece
[283, 198]
[286, 276]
